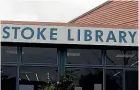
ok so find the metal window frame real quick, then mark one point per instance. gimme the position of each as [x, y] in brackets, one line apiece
[12, 62]
[120, 65]
[39, 62]
[19, 64]
[61, 58]
[85, 64]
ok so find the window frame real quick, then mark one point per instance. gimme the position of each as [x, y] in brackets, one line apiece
[36, 63]
[124, 66]
[10, 62]
[89, 65]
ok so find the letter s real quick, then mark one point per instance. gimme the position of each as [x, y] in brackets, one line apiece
[7, 34]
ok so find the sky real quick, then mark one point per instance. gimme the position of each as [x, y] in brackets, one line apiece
[45, 10]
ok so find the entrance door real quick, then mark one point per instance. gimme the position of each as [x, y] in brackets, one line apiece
[131, 80]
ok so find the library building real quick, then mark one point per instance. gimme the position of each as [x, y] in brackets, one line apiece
[100, 46]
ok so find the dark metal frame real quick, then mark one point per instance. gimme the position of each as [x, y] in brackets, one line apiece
[62, 57]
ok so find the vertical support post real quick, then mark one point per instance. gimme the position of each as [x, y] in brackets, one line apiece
[125, 63]
[19, 57]
[124, 88]
[104, 71]
[17, 78]
[62, 56]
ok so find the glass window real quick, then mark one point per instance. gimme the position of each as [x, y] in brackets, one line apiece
[39, 55]
[122, 57]
[114, 57]
[36, 77]
[84, 56]
[131, 80]
[114, 79]
[88, 78]
[8, 54]
[132, 58]
[8, 78]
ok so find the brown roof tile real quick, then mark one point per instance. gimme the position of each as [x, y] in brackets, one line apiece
[112, 13]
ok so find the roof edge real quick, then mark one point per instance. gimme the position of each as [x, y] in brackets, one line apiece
[90, 11]
[67, 24]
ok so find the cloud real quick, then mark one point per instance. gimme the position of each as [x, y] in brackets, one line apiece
[45, 10]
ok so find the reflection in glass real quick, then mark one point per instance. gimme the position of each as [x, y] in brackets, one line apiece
[8, 54]
[37, 76]
[122, 57]
[87, 78]
[84, 56]
[39, 55]
[115, 57]
[132, 60]
[8, 78]
[114, 79]
[131, 78]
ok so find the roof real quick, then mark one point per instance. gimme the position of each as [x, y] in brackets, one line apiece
[123, 13]
[62, 24]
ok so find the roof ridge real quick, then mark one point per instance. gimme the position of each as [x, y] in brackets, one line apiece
[90, 11]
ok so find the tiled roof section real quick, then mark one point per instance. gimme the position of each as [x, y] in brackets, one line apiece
[111, 13]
